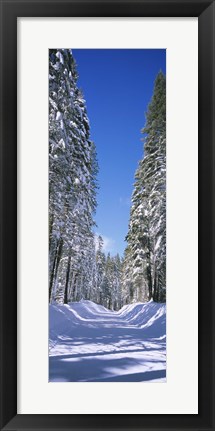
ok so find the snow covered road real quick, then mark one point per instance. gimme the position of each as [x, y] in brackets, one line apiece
[89, 343]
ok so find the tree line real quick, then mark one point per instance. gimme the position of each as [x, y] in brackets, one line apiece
[78, 267]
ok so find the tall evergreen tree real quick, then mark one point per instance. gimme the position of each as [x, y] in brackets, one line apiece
[145, 259]
[100, 271]
[72, 180]
[117, 283]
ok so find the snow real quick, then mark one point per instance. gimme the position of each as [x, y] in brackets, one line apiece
[62, 143]
[89, 343]
[60, 56]
[58, 116]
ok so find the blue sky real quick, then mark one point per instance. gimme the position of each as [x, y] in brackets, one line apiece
[117, 85]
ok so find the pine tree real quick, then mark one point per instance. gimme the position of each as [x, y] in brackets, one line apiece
[117, 283]
[145, 262]
[100, 271]
[126, 278]
[72, 181]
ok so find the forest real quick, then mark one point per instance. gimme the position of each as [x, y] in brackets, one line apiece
[79, 269]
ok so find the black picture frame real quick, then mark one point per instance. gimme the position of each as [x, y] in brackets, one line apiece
[10, 11]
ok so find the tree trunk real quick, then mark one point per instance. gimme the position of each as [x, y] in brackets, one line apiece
[56, 262]
[50, 229]
[155, 293]
[51, 277]
[67, 280]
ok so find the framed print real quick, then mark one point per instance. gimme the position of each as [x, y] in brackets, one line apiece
[111, 369]
[91, 341]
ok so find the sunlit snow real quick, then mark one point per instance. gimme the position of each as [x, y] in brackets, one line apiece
[89, 343]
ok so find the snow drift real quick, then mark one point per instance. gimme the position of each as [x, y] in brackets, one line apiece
[90, 343]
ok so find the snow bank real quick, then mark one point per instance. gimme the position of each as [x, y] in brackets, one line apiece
[149, 315]
[65, 319]
[91, 343]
